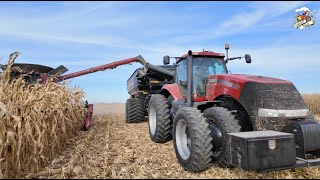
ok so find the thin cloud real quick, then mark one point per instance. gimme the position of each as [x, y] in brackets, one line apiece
[302, 9]
[245, 21]
[101, 33]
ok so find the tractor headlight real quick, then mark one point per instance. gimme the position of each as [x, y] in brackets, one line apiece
[298, 113]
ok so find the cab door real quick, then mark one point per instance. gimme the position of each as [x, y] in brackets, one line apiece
[181, 77]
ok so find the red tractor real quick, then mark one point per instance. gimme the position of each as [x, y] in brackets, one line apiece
[252, 122]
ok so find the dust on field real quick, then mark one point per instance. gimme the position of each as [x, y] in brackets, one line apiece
[114, 149]
[106, 108]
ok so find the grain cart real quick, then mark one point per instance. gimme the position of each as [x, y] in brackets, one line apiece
[233, 120]
[142, 83]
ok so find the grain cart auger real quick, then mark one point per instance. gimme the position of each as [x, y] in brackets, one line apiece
[33, 72]
[233, 120]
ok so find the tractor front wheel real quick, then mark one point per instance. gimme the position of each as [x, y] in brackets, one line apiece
[160, 123]
[192, 140]
[221, 121]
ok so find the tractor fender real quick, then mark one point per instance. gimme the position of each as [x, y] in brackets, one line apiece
[173, 90]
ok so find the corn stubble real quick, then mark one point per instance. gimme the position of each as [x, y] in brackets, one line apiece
[36, 122]
[114, 149]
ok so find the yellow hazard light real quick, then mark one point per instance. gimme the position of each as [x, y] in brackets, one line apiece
[154, 82]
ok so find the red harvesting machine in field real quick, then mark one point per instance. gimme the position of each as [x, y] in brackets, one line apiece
[33, 72]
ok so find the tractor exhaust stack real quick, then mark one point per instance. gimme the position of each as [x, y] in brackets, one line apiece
[189, 79]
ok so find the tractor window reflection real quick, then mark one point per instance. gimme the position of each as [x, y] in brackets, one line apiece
[204, 67]
[181, 76]
[219, 68]
[182, 71]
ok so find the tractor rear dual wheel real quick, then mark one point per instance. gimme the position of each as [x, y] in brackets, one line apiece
[221, 121]
[135, 110]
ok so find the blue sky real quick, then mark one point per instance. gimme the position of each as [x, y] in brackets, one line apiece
[81, 35]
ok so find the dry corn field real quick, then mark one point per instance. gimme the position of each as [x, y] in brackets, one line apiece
[36, 122]
[40, 137]
[313, 102]
[114, 149]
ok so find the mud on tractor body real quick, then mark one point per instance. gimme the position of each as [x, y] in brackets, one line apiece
[251, 122]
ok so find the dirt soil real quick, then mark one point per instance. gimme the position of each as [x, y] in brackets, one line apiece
[114, 149]
[106, 108]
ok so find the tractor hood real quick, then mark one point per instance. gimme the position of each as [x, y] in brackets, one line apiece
[269, 102]
[243, 78]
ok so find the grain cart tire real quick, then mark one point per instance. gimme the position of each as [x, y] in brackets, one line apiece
[160, 123]
[134, 110]
[221, 122]
[192, 139]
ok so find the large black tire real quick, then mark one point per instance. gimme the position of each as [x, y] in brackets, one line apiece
[135, 110]
[160, 123]
[223, 120]
[193, 151]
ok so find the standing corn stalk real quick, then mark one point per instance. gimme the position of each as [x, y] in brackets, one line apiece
[36, 122]
[313, 102]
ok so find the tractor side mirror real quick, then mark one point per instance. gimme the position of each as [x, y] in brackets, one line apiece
[166, 60]
[248, 58]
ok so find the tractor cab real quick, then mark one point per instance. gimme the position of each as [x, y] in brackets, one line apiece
[194, 68]
[204, 64]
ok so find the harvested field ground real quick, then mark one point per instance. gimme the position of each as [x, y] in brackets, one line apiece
[106, 108]
[113, 149]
